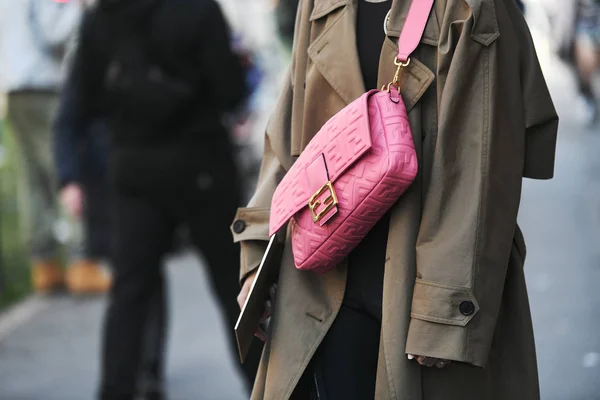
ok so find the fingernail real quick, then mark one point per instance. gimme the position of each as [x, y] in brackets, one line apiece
[411, 357]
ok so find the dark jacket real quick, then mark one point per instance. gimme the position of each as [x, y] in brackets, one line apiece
[80, 144]
[181, 47]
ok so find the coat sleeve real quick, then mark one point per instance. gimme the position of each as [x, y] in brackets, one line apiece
[251, 225]
[69, 126]
[541, 120]
[489, 136]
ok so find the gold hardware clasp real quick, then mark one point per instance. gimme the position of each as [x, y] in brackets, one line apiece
[398, 75]
[330, 202]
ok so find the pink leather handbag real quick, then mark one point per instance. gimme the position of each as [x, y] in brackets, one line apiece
[354, 169]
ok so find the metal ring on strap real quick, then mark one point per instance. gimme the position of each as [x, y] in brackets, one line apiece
[385, 22]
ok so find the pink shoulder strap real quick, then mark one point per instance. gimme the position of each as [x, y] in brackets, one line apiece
[414, 27]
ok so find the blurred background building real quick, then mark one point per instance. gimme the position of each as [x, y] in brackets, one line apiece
[49, 345]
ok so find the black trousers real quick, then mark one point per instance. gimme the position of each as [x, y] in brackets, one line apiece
[144, 228]
[98, 232]
[97, 219]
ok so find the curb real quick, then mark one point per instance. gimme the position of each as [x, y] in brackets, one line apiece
[19, 314]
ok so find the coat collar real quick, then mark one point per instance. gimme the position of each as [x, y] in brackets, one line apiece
[335, 55]
[334, 52]
[324, 7]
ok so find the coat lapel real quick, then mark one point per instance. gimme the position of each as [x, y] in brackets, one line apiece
[335, 55]
[334, 52]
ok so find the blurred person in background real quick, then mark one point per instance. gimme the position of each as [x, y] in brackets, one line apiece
[285, 13]
[81, 153]
[244, 121]
[576, 36]
[33, 41]
[587, 54]
[165, 74]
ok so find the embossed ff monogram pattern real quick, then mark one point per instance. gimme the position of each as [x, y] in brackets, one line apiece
[370, 158]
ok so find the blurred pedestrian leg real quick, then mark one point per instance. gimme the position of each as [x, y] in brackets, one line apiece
[33, 37]
[151, 378]
[587, 53]
[138, 275]
[29, 114]
[143, 232]
[170, 159]
[576, 37]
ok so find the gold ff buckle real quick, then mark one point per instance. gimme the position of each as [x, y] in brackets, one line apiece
[330, 202]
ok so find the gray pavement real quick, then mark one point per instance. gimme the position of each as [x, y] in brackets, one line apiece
[49, 346]
[561, 222]
[54, 354]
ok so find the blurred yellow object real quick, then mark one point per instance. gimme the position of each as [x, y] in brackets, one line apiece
[46, 276]
[87, 277]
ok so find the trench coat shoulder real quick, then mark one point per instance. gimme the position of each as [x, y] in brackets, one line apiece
[485, 28]
[491, 21]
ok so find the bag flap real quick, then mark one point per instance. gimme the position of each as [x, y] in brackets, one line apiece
[340, 143]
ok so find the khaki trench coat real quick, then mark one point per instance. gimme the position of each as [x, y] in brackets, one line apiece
[482, 119]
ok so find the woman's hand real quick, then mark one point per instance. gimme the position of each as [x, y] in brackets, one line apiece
[260, 332]
[429, 361]
[241, 299]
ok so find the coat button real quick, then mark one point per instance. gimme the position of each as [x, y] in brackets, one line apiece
[467, 308]
[239, 226]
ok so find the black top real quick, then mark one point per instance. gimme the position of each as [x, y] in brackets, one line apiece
[370, 37]
[364, 288]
